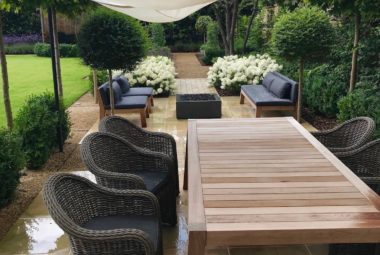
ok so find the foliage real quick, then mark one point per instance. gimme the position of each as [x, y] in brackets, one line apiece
[110, 40]
[156, 72]
[231, 72]
[302, 34]
[324, 86]
[36, 123]
[157, 35]
[202, 24]
[102, 77]
[11, 162]
[256, 38]
[27, 22]
[66, 50]
[180, 34]
[162, 51]
[363, 101]
[211, 49]
[19, 49]
[184, 47]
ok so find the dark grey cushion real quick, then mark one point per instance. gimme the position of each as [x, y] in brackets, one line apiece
[148, 224]
[123, 83]
[134, 102]
[294, 87]
[268, 79]
[280, 88]
[154, 180]
[262, 97]
[146, 91]
[103, 91]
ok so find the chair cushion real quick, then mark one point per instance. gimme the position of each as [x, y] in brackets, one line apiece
[135, 102]
[103, 91]
[154, 180]
[143, 91]
[123, 83]
[148, 224]
[280, 88]
[268, 79]
[262, 97]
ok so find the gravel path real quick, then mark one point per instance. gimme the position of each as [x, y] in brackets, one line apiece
[188, 66]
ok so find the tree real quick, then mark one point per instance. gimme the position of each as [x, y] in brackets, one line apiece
[110, 40]
[157, 35]
[201, 25]
[302, 35]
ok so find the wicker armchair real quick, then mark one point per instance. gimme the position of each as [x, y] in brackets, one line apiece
[365, 163]
[347, 136]
[117, 163]
[154, 141]
[99, 220]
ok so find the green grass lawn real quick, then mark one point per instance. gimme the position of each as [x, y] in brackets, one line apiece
[29, 74]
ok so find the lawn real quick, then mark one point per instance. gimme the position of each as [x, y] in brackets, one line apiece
[29, 74]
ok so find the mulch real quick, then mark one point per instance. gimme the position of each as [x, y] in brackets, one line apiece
[318, 121]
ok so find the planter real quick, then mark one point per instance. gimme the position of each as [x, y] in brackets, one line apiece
[198, 106]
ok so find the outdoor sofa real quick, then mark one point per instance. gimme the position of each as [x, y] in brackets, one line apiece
[277, 93]
[123, 103]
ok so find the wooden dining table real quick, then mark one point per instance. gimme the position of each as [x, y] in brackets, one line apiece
[268, 181]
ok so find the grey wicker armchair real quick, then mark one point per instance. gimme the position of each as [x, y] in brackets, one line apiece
[365, 163]
[347, 136]
[117, 163]
[99, 220]
[154, 141]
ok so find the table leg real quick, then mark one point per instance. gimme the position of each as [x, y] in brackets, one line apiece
[197, 243]
[185, 181]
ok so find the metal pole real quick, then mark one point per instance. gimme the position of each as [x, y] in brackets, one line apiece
[55, 78]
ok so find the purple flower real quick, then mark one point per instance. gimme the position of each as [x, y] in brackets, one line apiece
[13, 39]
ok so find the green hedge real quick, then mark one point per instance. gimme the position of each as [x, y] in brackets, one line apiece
[36, 123]
[11, 162]
[324, 86]
[212, 49]
[19, 49]
[363, 101]
[65, 50]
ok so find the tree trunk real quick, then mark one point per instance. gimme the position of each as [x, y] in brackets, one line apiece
[300, 90]
[4, 72]
[42, 24]
[355, 51]
[95, 82]
[250, 22]
[57, 55]
[112, 101]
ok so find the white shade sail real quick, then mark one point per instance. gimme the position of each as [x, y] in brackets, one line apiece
[159, 11]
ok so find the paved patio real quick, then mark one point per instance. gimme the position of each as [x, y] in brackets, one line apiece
[36, 233]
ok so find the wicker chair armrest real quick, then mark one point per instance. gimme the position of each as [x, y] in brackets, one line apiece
[161, 142]
[355, 151]
[166, 163]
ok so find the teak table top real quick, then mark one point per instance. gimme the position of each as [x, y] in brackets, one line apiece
[269, 181]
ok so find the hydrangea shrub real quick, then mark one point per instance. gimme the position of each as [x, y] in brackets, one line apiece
[231, 72]
[157, 72]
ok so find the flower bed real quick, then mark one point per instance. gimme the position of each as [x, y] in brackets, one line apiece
[157, 72]
[230, 72]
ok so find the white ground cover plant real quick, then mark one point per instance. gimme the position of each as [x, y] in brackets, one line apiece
[231, 72]
[157, 72]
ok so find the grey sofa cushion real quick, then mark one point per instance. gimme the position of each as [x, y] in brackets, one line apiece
[134, 102]
[280, 88]
[103, 91]
[148, 224]
[123, 83]
[262, 97]
[268, 79]
[154, 180]
[145, 91]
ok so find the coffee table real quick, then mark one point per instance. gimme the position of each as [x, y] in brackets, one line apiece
[270, 182]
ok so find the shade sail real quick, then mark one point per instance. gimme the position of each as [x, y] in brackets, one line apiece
[159, 11]
[154, 4]
[158, 16]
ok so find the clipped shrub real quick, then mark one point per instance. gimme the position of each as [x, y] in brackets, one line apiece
[19, 49]
[201, 25]
[211, 49]
[11, 162]
[324, 86]
[36, 123]
[363, 101]
[65, 50]
[157, 35]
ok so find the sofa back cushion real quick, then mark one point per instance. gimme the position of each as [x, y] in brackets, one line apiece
[268, 79]
[123, 83]
[105, 95]
[117, 94]
[280, 88]
[293, 92]
[103, 91]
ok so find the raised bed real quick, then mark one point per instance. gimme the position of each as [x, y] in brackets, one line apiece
[198, 106]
